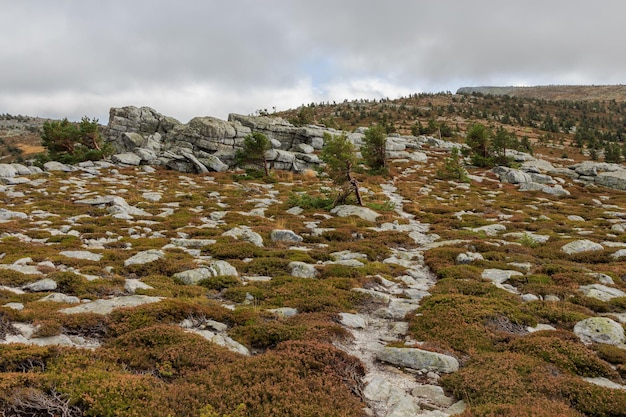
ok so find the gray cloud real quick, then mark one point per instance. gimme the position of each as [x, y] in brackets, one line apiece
[194, 57]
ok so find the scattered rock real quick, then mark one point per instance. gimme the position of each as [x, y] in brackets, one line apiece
[215, 269]
[246, 234]
[81, 254]
[144, 257]
[579, 246]
[302, 269]
[362, 212]
[600, 330]
[42, 285]
[601, 292]
[354, 321]
[131, 285]
[106, 306]
[468, 258]
[282, 235]
[61, 298]
[284, 312]
[418, 359]
[499, 276]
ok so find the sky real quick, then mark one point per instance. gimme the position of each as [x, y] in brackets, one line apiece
[188, 58]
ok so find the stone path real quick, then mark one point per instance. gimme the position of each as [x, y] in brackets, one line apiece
[392, 391]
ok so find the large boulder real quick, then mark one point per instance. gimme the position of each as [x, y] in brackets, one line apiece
[600, 330]
[616, 179]
[582, 245]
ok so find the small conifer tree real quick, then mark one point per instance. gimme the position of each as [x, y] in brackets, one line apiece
[253, 153]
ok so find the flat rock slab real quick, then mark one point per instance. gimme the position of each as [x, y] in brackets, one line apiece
[45, 284]
[222, 340]
[418, 359]
[579, 246]
[144, 257]
[82, 254]
[601, 292]
[354, 321]
[498, 276]
[58, 297]
[106, 306]
[362, 212]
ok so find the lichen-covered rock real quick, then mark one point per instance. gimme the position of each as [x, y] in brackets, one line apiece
[579, 246]
[362, 212]
[283, 235]
[302, 269]
[246, 234]
[144, 257]
[499, 276]
[601, 292]
[105, 306]
[418, 359]
[600, 330]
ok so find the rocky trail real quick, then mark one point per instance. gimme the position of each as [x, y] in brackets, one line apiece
[91, 238]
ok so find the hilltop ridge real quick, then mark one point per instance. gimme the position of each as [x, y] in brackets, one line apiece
[554, 92]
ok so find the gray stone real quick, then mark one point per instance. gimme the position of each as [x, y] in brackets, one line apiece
[283, 235]
[513, 176]
[418, 359]
[131, 285]
[192, 243]
[214, 269]
[14, 306]
[6, 215]
[579, 246]
[468, 258]
[105, 306]
[152, 196]
[619, 254]
[7, 171]
[58, 297]
[575, 218]
[347, 255]
[222, 340]
[223, 268]
[354, 321]
[499, 276]
[601, 292]
[600, 330]
[489, 230]
[81, 254]
[362, 212]
[246, 234]
[42, 285]
[126, 159]
[144, 257]
[213, 163]
[433, 394]
[284, 312]
[616, 180]
[302, 270]
[604, 382]
[57, 166]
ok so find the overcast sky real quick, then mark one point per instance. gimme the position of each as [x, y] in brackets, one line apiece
[187, 58]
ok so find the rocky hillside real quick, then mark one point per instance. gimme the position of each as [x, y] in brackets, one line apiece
[555, 92]
[133, 289]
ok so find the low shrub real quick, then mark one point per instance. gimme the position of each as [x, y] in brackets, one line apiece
[459, 322]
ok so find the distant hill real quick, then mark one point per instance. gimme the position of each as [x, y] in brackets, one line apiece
[555, 92]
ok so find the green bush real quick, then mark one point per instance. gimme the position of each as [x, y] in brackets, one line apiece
[71, 143]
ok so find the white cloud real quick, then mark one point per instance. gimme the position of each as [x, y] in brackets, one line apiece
[196, 57]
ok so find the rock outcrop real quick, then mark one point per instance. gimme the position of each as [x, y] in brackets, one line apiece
[144, 136]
